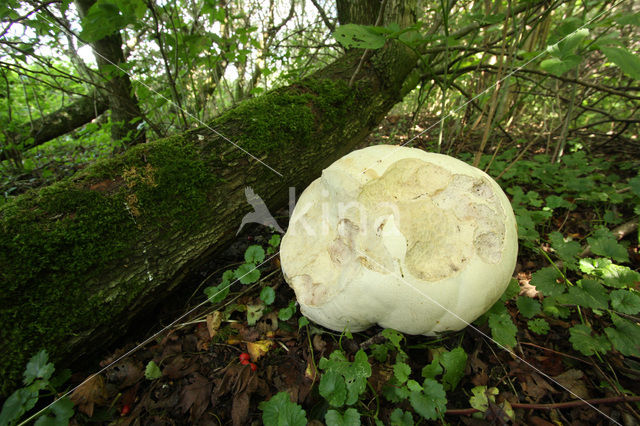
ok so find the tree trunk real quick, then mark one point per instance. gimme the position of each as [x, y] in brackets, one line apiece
[123, 103]
[58, 123]
[79, 259]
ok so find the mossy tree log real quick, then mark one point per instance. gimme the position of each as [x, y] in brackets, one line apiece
[81, 258]
[58, 123]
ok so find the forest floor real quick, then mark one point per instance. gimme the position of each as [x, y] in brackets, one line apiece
[194, 373]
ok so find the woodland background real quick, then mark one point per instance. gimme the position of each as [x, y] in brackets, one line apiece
[171, 108]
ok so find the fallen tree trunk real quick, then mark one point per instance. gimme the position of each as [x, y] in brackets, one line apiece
[59, 122]
[79, 259]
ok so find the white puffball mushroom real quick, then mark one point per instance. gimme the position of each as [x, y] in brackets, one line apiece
[419, 242]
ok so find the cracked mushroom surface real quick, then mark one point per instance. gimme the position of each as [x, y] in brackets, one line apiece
[415, 241]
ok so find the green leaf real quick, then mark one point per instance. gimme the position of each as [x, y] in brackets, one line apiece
[152, 371]
[274, 241]
[401, 371]
[38, 367]
[333, 388]
[528, 306]
[557, 66]
[254, 254]
[551, 306]
[625, 337]
[254, 313]
[268, 295]
[603, 243]
[512, 290]
[217, 293]
[481, 397]
[503, 330]
[393, 336]
[16, 405]
[62, 410]
[351, 417]
[617, 276]
[454, 363]
[280, 411]
[247, 273]
[401, 418]
[354, 375]
[539, 326]
[285, 314]
[358, 36]
[567, 250]
[583, 341]
[554, 202]
[431, 370]
[634, 183]
[431, 403]
[568, 45]
[545, 281]
[625, 60]
[589, 294]
[629, 19]
[302, 321]
[625, 301]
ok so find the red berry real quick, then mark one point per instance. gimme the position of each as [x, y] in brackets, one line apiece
[244, 357]
[253, 367]
[244, 362]
[125, 410]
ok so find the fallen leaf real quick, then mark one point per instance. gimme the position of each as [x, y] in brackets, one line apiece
[259, 348]
[195, 397]
[572, 379]
[213, 323]
[89, 393]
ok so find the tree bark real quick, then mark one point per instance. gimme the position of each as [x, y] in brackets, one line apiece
[58, 123]
[123, 103]
[81, 258]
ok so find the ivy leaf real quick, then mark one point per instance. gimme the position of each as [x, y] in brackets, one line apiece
[279, 410]
[545, 281]
[274, 241]
[625, 301]
[454, 363]
[353, 375]
[358, 36]
[528, 306]
[401, 418]
[539, 326]
[551, 306]
[503, 330]
[588, 293]
[625, 60]
[247, 273]
[625, 337]
[267, 295]
[351, 417]
[603, 243]
[38, 367]
[152, 371]
[431, 370]
[583, 341]
[254, 254]
[401, 371]
[431, 403]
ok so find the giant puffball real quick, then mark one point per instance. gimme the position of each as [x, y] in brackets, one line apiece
[415, 241]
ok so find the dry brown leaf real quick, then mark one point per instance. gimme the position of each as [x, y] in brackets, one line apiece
[213, 323]
[572, 379]
[89, 393]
